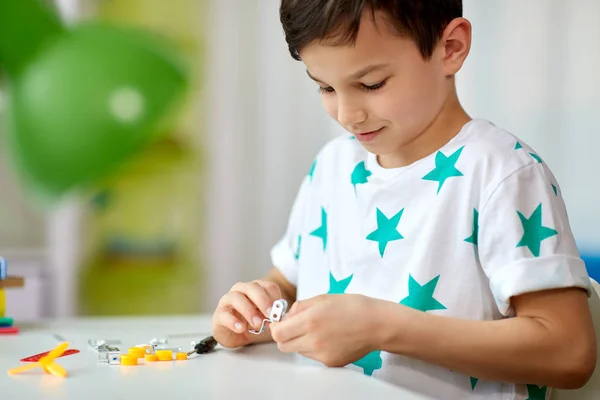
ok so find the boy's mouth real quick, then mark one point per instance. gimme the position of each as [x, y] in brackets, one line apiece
[367, 136]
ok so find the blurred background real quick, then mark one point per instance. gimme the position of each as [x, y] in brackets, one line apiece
[200, 209]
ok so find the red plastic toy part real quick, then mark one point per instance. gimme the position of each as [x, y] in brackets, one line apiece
[9, 331]
[37, 357]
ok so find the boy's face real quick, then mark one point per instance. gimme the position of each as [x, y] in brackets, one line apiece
[381, 89]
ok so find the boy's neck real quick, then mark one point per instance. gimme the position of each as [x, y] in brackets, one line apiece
[446, 125]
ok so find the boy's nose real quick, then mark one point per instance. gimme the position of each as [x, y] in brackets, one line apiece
[350, 115]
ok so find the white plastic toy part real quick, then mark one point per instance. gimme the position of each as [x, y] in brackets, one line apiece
[278, 310]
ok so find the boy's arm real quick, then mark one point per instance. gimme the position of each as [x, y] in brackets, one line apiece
[288, 290]
[551, 341]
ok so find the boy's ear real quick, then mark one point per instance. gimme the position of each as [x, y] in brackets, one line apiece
[456, 44]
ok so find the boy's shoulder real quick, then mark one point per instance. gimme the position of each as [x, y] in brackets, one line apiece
[488, 143]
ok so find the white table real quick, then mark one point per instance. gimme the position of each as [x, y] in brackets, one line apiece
[260, 372]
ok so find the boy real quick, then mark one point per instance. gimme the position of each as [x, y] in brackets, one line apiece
[447, 236]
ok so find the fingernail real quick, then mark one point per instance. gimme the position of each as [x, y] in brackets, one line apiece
[256, 321]
[269, 312]
[238, 327]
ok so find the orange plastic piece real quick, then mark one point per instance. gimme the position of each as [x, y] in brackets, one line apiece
[137, 352]
[164, 355]
[151, 357]
[129, 360]
[46, 363]
[181, 356]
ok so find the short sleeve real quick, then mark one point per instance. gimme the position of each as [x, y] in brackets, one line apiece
[285, 253]
[525, 242]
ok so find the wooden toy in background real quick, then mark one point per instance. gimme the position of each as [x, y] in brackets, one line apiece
[7, 282]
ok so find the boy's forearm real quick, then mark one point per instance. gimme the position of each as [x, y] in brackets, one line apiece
[287, 289]
[517, 350]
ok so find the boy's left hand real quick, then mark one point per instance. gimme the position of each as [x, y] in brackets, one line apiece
[332, 329]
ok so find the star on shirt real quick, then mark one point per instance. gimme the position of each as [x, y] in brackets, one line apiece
[338, 287]
[518, 146]
[360, 174]
[473, 237]
[386, 230]
[534, 232]
[297, 253]
[474, 382]
[444, 168]
[536, 393]
[321, 231]
[370, 362]
[420, 297]
[536, 157]
[554, 189]
[311, 173]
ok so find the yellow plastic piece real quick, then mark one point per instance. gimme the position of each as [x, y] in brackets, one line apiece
[46, 363]
[181, 356]
[146, 347]
[137, 352]
[164, 355]
[2, 303]
[129, 360]
[151, 357]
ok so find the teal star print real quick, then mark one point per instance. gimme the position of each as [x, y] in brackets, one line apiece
[321, 232]
[338, 287]
[360, 174]
[534, 232]
[473, 237]
[536, 157]
[555, 189]
[386, 230]
[474, 383]
[444, 168]
[518, 146]
[420, 297]
[311, 173]
[370, 362]
[536, 393]
[297, 254]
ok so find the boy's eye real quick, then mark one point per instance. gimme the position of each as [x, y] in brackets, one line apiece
[328, 89]
[376, 86]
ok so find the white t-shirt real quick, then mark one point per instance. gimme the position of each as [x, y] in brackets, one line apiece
[456, 233]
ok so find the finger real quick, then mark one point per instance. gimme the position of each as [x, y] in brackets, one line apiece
[272, 289]
[298, 345]
[302, 305]
[227, 319]
[258, 296]
[292, 327]
[243, 305]
[293, 309]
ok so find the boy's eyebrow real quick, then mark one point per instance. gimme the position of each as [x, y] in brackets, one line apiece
[358, 74]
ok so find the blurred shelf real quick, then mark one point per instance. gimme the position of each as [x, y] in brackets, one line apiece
[23, 252]
[12, 282]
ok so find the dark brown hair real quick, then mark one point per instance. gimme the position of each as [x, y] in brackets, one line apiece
[422, 21]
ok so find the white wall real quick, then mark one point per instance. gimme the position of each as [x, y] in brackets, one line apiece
[533, 70]
[265, 126]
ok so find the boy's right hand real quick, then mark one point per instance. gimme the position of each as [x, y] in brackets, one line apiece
[244, 307]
